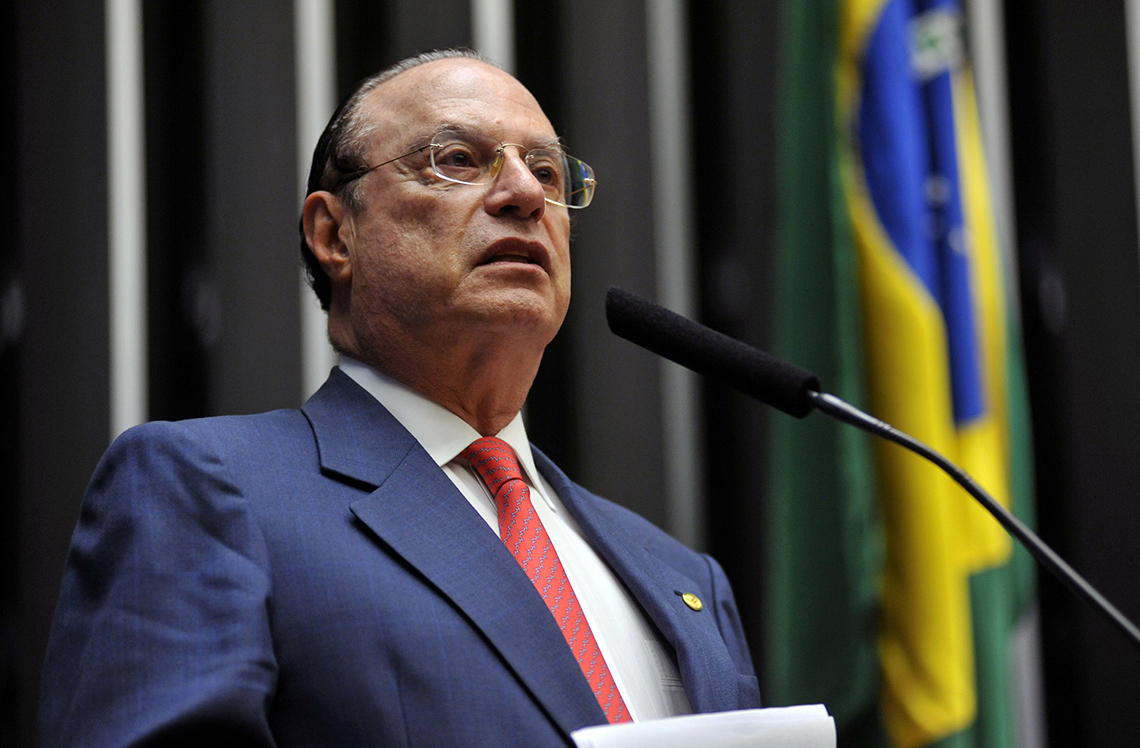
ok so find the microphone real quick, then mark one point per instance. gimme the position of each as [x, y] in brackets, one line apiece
[706, 351]
[797, 392]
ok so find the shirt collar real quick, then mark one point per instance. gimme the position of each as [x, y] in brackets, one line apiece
[439, 431]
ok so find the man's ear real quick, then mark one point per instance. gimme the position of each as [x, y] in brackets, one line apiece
[324, 216]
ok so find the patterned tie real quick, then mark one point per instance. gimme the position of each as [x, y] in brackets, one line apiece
[522, 532]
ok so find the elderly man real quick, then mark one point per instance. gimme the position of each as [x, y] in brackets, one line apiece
[393, 564]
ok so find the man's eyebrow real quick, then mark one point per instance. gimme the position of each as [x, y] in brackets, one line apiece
[451, 128]
[553, 143]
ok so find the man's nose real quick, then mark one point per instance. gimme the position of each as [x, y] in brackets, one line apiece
[515, 188]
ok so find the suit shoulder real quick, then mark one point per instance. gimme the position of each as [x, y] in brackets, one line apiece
[243, 425]
[222, 445]
[225, 433]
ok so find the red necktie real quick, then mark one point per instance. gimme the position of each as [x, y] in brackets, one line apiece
[522, 532]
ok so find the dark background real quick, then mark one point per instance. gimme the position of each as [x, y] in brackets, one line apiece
[224, 309]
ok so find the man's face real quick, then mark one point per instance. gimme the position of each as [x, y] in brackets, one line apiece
[444, 263]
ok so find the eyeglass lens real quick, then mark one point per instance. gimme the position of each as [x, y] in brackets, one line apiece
[462, 158]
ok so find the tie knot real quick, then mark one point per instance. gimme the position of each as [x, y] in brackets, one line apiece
[494, 461]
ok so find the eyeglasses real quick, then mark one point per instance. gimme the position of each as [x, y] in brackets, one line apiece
[469, 158]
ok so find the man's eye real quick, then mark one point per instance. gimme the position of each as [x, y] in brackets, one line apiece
[459, 159]
[456, 158]
[546, 171]
[545, 174]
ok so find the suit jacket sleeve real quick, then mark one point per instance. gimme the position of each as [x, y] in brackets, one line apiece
[161, 635]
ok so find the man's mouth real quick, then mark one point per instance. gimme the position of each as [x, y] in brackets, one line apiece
[509, 258]
[517, 251]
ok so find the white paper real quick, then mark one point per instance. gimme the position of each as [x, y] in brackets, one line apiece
[807, 726]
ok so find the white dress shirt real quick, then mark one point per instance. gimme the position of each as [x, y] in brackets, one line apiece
[643, 664]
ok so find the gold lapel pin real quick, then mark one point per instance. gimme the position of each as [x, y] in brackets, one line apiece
[690, 599]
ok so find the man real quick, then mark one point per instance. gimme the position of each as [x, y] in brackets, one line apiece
[357, 572]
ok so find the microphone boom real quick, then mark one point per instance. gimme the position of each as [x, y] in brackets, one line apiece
[797, 392]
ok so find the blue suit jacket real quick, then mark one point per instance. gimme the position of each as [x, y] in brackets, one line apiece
[313, 578]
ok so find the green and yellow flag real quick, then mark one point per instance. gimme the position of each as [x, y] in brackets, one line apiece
[893, 593]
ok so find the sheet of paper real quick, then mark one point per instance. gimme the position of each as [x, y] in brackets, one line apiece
[807, 726]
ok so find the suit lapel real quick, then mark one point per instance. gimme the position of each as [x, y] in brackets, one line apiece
[707, 671]
[419, 514]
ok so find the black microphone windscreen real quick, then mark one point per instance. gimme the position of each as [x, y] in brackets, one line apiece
[706, 351]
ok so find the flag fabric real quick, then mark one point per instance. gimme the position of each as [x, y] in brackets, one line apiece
[893, 593]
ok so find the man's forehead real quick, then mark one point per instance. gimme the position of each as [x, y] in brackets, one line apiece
[455, 91]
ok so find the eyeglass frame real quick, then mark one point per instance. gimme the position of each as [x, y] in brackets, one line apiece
[496, 168]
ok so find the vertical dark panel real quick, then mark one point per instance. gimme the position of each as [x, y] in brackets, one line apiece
[617, 390]
[11, 335]
[363, 36]
[182, 304]
[1096, 240]
[372, 35]
[540, 54]
[252, 206]
[735, 49]
[62, 237]
[1080, 280]
[420, 25]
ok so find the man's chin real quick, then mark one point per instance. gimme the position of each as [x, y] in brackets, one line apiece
[522, 312]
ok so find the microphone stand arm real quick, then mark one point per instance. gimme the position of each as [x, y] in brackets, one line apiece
[832, 406]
